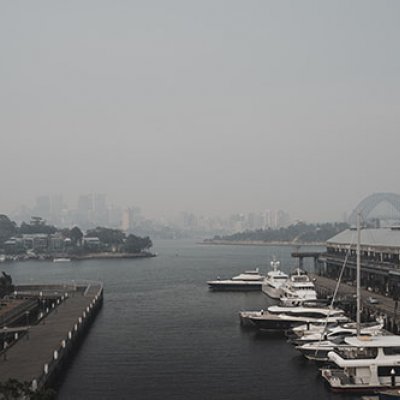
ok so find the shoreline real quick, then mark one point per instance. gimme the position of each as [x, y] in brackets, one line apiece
[113, 256]
[259, 243]
[83, 257]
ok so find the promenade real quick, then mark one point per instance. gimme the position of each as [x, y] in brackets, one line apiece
[381, 305]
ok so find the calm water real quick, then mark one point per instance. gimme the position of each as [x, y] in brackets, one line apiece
[163, 335]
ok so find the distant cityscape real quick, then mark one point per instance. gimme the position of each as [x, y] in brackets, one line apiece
[94, 210]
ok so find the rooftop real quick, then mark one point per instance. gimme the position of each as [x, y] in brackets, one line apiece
[381, 237]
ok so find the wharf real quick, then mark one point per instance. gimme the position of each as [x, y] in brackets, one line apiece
[36, 356]
[382, 305]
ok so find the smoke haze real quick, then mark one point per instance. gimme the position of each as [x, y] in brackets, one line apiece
[212, 107]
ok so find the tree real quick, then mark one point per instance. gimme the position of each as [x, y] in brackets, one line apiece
[12, 389]
[30, 229]
[136, 244]
[75, 235]
[107, 236]
[8, 228]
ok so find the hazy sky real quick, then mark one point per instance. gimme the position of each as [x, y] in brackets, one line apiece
[207, 106]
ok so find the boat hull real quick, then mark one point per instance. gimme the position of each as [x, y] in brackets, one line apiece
[271, 291]
[234, 286]
[392, 394]
[314, 354]
[273, 324]
[338, 387]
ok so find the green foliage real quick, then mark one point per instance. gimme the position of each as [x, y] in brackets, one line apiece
[107, 236]
[12, 389]
[300, 232]
[31, 229]
[75, 235]
[8, 229]
[136, 244]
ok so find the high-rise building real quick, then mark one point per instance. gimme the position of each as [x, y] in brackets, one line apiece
[85, 210]
[100, 209]
[42, 207]
[127, 219]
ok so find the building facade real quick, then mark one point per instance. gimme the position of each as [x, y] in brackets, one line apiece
[380, 258]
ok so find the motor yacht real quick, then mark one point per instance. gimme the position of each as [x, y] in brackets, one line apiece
[249, 280]
[365, 364]
[274, 281]
[278, 318]
[331, 333]
[297, 289]
[318, 351]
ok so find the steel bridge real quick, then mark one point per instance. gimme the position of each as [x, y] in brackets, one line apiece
[382, 207]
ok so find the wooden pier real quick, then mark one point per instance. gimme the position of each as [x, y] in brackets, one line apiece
[37, 356]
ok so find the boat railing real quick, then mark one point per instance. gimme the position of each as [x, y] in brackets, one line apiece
[357, 353]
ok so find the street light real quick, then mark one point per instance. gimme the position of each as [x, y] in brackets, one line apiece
[27, 323]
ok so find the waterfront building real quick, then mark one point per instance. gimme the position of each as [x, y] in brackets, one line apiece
[91, 243]
[380, 258]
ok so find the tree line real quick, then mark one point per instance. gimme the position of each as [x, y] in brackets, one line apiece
[300, 232]
[108, 239]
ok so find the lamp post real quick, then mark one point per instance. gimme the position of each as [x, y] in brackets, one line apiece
[27, 324]
[393, 377]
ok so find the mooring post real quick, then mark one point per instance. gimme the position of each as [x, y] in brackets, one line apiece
[393, 377]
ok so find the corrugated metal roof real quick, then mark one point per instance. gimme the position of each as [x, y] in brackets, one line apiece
[382, 237]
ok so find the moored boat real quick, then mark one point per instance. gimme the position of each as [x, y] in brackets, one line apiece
[365, 364]
[274, 281]
[298, 289]
[280, 319]
[249, 280]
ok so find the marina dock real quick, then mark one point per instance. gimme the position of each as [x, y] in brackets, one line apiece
[51, 331]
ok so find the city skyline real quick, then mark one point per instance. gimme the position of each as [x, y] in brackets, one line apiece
[94, 209]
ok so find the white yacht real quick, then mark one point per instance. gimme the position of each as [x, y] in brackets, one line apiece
[249, 280]
[273, 283]
[318, 351]
[365, 364]
[280, 319]
[342, 330]
[297, 289]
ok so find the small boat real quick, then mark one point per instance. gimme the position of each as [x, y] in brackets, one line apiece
[273, 283]
[249, 280]
[61, 259]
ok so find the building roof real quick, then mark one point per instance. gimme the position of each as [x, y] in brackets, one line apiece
[376, 237]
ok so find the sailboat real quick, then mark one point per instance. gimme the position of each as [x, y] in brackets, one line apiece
[365, 363]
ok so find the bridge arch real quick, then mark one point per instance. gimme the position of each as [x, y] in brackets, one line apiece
[370, 203]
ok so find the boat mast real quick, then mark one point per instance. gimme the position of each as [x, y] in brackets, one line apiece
[358, 278]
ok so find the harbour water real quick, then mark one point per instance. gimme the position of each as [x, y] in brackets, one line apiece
[163, 335]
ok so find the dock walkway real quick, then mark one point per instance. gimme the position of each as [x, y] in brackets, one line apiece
[32, 356]
[383, 305]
